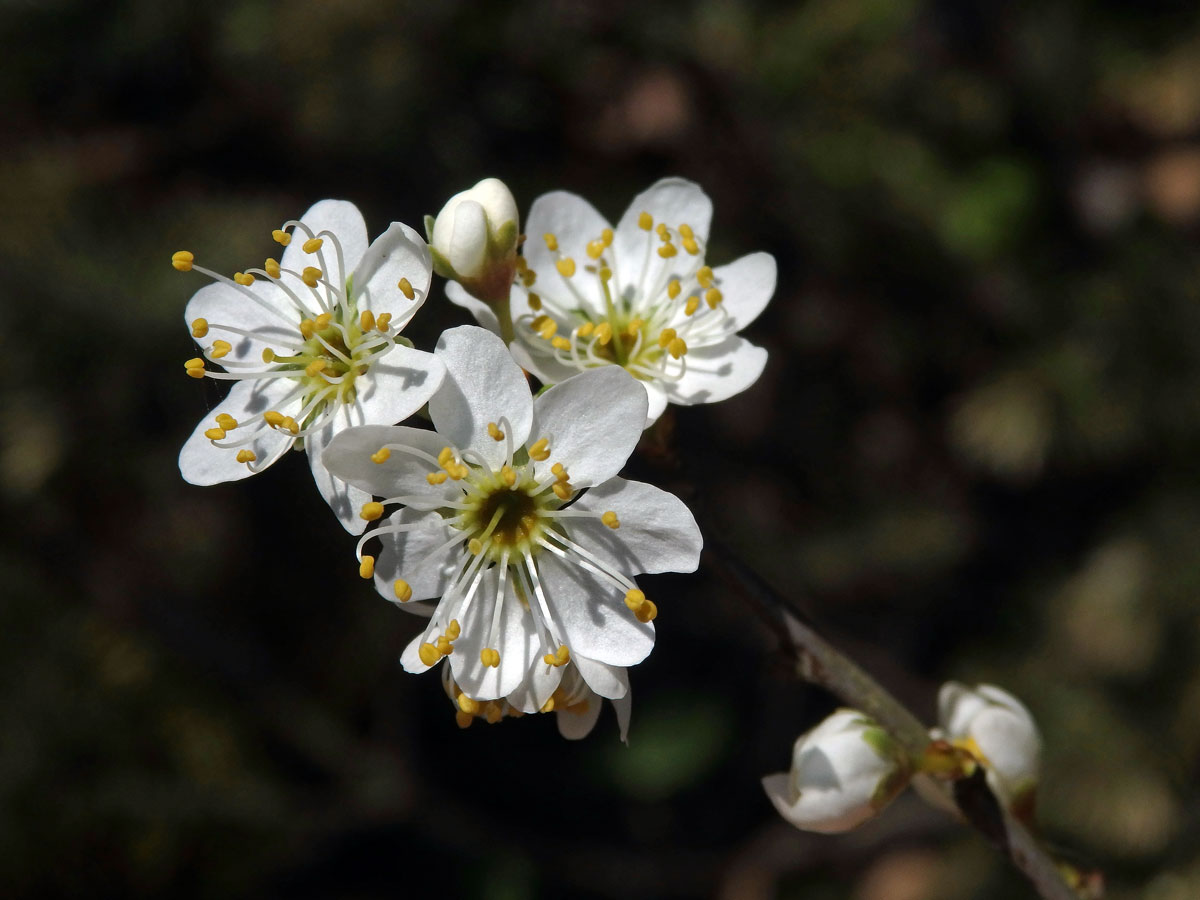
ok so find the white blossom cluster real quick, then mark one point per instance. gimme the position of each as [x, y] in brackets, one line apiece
[506, 524]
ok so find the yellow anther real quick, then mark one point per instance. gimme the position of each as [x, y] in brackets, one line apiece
[634, 599]
[383, 321]
[677, 348]
[246, 456]
[690, 245]
[406, 288]
[666, 251]
[429, 654]
[268, 355]
[595, 249]
[312, 245]
[281, 237]
[366, 320]
[467, 705]
[462, 719]
[520, 264]
[215, 434]
[551, 241]
[245, 279]
[272, 267]
[436, 477]
[273, 418]
[607, 235]
[548, 327]
[307, 328]
[489, 657]
[560, 343]
[603, 333]
[605, 273]
[647, 612]
[315, 368]
[493, 712]
[562, 490]
[645, 221]
[634, 326]
[310, 276]
[494, 432]
[475, 546]
[535, 302]
[226, 421]
[382, 455]
[195, 364]
[610, 519]
[322, 321]
[704, 276]
[220, 349]
[182, 260]
[562, 656]
[673, 288]
[560, 471]
[540, 450]
[508, 474]
[453, 630]
[565, 266]
[548, 706]
[289, 424]
[665, 337]
[445, 456]
[663, 233]
[586, 329]
[366, 567]
[444, 646]
[199, 328]
[549, 660]
[713, 298]
[402, 589]
[691, 306]
[528, 277]
[685, 230]
[371, 510]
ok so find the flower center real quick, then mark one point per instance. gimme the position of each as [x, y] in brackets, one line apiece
[507, 518]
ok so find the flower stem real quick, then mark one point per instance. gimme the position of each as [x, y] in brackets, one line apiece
[818, 661]
[503, 309]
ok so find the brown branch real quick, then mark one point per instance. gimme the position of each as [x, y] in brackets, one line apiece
[818, 661]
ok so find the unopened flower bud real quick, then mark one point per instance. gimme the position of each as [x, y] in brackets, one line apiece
[996, 729]
[474, 239]
[844, 771]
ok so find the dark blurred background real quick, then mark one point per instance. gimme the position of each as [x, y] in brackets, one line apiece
[975, 452]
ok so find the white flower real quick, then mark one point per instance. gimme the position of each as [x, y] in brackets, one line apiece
[474, 238]
[575, 704]
[640, 296]
[997, 729]
[312, 345]
[514, 517]
[844, 771]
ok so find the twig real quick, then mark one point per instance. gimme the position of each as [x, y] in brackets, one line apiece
[817, 661]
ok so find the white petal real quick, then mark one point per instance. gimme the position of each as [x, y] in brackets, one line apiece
[611, 682]
[466, 249]
[1011, 746]
[202, 463]
[342, 218]
[593, 614]
[658, 401]
[410, 658]
[624, 709]
[574, 222]
[348, 457]
[222, 304]
[957, 706]
[718, 372]
[593, 421]
[482, 312]
[575, 724]
[345, 500]
[516, 641]
[397, 253]
[415, 556]
[397, 386]
[657, 531]
[671, 201]
[543, 367]
[747, 285]
[538, 686]
[482, 384]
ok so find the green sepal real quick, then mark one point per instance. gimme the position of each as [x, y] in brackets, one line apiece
[429, 220]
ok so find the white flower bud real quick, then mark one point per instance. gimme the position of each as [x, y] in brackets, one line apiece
[476, 233]
[844, 771]
[997, 729]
